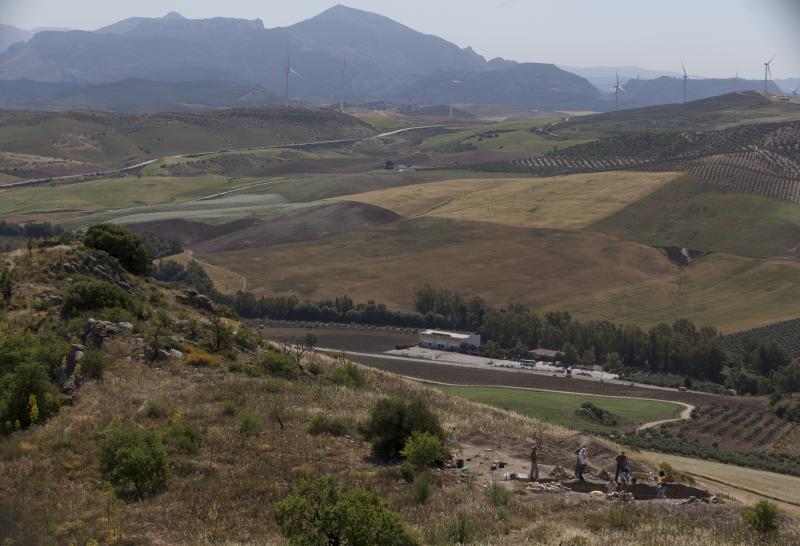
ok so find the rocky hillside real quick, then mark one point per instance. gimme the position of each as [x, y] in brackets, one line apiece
[140, 413]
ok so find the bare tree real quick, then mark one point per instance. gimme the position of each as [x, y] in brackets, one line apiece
[298, 348]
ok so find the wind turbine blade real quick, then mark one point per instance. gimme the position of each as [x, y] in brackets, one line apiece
[684, 70]
[621, 89]
[617, 78]
[295, 72]
[771, 59]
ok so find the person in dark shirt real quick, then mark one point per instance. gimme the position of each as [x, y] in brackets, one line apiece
[622, 464]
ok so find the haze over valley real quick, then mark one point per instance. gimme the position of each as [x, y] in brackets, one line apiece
[334, 280]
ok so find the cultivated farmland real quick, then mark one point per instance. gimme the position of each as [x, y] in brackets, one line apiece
[559, 408]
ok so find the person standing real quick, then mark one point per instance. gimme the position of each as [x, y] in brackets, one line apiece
[622, 464]
[580, 467]
[534, 463]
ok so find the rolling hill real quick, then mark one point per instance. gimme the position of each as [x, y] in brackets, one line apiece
[669, 89]
[112, 139]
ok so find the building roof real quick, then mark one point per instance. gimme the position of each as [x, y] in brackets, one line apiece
[442, 333]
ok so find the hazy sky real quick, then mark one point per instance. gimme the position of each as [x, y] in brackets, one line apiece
[712, 37]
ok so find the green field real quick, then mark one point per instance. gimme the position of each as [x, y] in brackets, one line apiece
[694, 214]
[559, 408]
[114, 193]
[505, 137]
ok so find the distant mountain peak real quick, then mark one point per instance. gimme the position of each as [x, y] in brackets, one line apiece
[173, 15]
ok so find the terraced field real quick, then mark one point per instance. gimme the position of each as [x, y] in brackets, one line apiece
[787, 333]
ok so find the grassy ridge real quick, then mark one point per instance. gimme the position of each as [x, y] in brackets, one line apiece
[559, 408]
[109, 139]
[563, 202]
[691, 213]
[732, 293]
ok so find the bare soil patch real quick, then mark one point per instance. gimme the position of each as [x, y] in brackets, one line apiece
[475, 376]
[189, 232]
[303, 225]
[345, 338]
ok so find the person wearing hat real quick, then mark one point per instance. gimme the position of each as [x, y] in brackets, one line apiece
[580, 467]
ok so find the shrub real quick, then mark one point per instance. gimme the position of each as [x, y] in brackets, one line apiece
[422, 488]
[134, 461]
[423, 449]
[320, 423]
[391, 422]
[121, 244]
[319, 511]
[249, 424]
[181, 438]
[229, 408]
[91, 295]
[94, 363]
[762, 517]
[199, 358]
[155, 410]
[348, 375]
[279, 365]
[498, 495]
[17, 387]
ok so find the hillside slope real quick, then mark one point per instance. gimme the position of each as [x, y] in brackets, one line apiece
[234, 426]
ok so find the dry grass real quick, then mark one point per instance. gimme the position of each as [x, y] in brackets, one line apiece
[225, 493]
[224, 280]
[501, 264]
[562, 202]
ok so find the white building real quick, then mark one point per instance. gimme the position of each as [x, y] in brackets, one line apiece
[447, 341]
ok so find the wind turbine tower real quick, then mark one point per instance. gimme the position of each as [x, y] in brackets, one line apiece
[685, 77]
[767, 72]
[453, 83]
[344, 81]
[288, 71]
[617, 88]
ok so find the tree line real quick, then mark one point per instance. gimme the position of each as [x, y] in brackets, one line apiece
[680, 348]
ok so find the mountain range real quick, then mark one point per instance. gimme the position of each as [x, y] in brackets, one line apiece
[342, 51]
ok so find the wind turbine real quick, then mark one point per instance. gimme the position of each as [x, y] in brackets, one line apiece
[344, 78]
[617, 88]
[767, 72]
[736, 80]
[685, 77]
[453, 83]
[287, 71]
